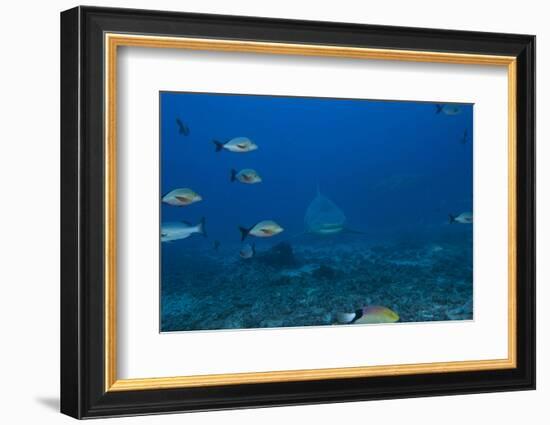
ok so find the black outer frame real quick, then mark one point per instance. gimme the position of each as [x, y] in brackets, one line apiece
[82, 203]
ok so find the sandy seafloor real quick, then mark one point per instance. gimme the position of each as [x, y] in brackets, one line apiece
[422, 280]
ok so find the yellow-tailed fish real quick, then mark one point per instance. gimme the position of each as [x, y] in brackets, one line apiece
[263, 229]
[181, 197]
[368, 314]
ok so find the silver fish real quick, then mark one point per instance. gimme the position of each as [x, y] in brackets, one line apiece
[246, 176]
[248, 251]
[173, 231]
[238, 144]
[181, 197]
[448, 109]
[263, 229]
[464, 218]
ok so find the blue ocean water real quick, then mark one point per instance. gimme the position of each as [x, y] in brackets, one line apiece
[396, 169]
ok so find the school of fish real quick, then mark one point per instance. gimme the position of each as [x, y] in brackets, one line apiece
[323, 217]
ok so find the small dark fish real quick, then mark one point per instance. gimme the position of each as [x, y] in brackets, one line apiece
[216, 245]
[464, 139]
[183, 129]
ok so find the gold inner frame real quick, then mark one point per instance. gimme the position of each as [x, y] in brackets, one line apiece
[113, 41]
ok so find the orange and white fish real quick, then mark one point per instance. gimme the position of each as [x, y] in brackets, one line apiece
[263, 229]
[246, 176]
[238, 144]
[367, 315]
[181, 197]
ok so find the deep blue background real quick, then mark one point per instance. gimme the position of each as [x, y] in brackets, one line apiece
[390, 166]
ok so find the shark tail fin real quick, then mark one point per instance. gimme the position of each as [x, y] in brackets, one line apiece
[233, 175]
[452, 218]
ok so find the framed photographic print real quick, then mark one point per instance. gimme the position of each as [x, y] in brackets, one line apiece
[261, 212]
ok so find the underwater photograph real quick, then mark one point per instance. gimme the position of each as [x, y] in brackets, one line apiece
[280, 211]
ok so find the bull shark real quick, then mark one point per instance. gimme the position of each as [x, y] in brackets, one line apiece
[323, 217]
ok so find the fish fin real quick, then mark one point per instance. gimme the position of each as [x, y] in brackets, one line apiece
[452, 218]
[233, 175]
[439, 108]
[202, 228]
[348, 318]
[219, 145]
[180, 125]
[244, 232]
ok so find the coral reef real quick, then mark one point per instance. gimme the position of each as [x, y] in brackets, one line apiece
[420, 282]
[280, 255]
[324, 272]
